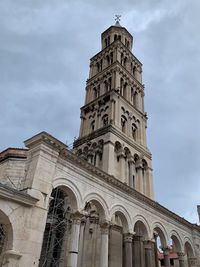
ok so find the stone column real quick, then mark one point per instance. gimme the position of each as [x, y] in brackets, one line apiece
[122, 167]
[74, 242]
[98, 155]
[149, 262]
[104, 244]
[81, 242]
[181, 258]
[131, 172]
[140, 180]
[166, 251]
[112, 117]
[138, 251]
[128, 250]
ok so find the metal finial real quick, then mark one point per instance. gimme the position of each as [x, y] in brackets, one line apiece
[117, 18]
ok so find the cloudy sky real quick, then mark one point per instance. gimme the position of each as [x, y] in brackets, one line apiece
[45, 49]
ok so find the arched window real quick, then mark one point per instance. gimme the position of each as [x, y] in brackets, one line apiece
[108, 60]
[115, 37]
[121, 86]
[106, 86]
[134, 71]
[135, 99]
[132, 95]
[125, 61]
[105, 120]
[134, 129]
[125, 90]
[106, 42]
[98, 67]
[92, 125]
[119, 37]
[122, 58]
[94, 93]
[111, 57]
[123, 123]
[110, 83]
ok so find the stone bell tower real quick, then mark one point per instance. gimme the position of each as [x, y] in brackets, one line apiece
[113, 121]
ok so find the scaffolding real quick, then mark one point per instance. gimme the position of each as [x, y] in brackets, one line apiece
[58, 225]
[2, 237]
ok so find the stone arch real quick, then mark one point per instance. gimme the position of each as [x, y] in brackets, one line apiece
[162, 233]
[99, 202]
[118, 146]
[127, 152]
[6, 233]
[124, 216]
[176, 240]
[140, 221]
[188, 247]
[71, 189]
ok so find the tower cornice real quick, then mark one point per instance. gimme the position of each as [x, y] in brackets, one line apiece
[116, 44]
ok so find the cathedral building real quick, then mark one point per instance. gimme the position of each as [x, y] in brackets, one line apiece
[93, 206]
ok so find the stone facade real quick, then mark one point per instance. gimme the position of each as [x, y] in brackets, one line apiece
[93, 206]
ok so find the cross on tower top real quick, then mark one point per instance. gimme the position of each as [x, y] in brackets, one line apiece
[117, 18]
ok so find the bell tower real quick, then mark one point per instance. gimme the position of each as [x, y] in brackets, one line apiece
[113, 121]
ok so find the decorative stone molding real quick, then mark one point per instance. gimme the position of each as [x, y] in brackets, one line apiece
[104, 227]
[128, 238]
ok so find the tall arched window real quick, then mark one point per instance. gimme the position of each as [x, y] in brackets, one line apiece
[123, 123]
[134, 129]
[92, 125]
[110, 83]
[108, 60]
[121, 86]
[105, 120]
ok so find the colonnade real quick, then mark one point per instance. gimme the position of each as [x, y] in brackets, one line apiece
[137, 252]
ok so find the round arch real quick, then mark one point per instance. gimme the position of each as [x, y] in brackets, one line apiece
[177, 241]
[71, 188]
[99, 202]
[139, 219]
[188, 247]
[124, 216]
[7, 230]
[162, 233]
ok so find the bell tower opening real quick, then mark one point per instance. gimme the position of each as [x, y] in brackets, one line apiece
[114, 113]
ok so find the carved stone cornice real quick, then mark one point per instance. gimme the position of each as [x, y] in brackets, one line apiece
[15, 195]
[52, 142]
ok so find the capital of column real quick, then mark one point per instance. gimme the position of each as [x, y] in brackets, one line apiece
[104, 227]
[77, 217]
[192, 261]
[181, 256]
[128, 238]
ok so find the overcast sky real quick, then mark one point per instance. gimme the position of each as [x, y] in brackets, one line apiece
[45, 47]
